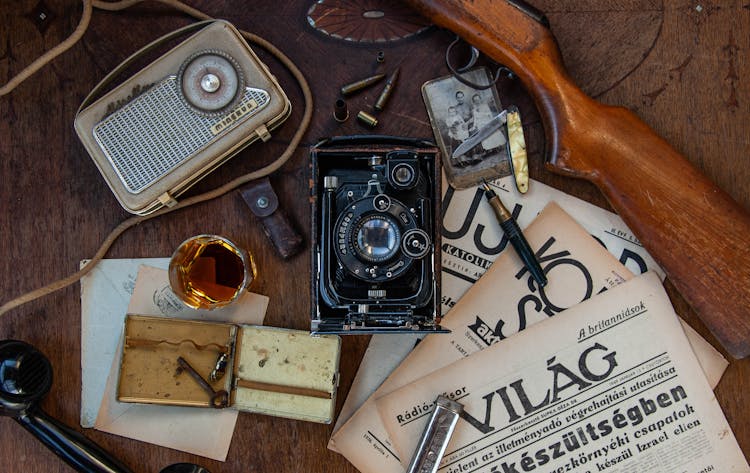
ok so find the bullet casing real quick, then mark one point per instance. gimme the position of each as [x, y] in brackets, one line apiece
[349, 89]
[340, 111]
[367, 119]
[387, 90]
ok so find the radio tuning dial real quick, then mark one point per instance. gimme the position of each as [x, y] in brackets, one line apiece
[210, 82]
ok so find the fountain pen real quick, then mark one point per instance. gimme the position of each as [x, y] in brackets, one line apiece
[515, 236]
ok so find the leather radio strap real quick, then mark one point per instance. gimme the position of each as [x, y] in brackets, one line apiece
[88, 5]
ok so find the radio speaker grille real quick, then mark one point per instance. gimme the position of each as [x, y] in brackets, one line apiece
[156, 132]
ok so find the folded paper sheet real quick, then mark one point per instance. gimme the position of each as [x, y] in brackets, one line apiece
[205, 432]
[612, 385]
[105, 295]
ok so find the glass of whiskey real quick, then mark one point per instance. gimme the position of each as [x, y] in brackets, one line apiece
[210, 271]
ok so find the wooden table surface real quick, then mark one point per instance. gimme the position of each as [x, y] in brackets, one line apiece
[680, 65]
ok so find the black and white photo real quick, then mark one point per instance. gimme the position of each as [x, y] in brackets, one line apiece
[458, 112]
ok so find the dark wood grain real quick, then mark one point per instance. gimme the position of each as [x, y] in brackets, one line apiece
[686, 80]
[670, 205]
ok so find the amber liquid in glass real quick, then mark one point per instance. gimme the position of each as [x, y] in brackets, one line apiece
[208, 272]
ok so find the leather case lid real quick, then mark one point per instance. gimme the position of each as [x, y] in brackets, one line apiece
[306, 365]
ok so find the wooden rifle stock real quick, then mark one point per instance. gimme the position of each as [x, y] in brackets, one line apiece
[696, 231]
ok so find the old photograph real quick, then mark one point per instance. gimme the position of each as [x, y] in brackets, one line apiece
[459, 112]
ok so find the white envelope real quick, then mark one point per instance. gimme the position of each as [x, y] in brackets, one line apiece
[105, 295]
[201, 431]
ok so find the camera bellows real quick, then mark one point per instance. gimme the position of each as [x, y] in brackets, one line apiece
[376, 236]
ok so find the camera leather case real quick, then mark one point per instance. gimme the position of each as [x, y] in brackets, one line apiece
[167, 126]
[265, 370]
[375, 235]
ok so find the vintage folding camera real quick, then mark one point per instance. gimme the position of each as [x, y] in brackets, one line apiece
[376, 240]
[180, 117]
[264, 370]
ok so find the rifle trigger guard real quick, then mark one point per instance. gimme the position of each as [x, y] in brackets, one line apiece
[472, 60]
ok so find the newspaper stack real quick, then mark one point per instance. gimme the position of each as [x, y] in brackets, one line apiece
[503, 302]
[611, 386]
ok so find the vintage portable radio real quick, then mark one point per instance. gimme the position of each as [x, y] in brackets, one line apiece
[163, 129]
[265, 370]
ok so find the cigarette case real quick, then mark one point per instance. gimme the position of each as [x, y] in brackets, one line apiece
[264, 370]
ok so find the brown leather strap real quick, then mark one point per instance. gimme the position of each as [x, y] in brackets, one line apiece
[264, 203]
[189, 28]
[212, 194]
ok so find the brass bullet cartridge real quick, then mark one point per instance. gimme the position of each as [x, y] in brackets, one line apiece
[387, 90]
[360, 84]
[367, 119]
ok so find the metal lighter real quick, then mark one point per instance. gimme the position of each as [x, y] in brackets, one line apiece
[436, 436]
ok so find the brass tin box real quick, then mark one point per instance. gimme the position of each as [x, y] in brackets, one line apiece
[273, 371]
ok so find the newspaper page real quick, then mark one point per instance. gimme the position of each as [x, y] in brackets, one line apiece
[472, 238]
[502, 302]
[385, 352]
[583, 268]
[611, 386]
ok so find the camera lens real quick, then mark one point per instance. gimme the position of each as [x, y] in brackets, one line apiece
[377, 238]
[368, 238]
[403, 174]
